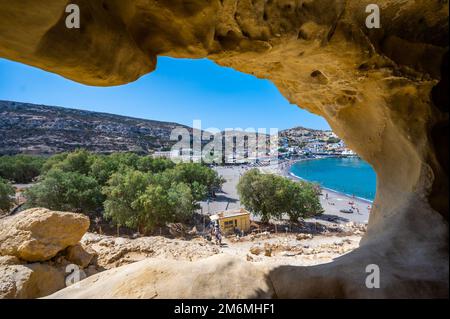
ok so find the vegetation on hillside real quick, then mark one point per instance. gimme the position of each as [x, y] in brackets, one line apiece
[142, 192]
[333, 140]
[139, 192]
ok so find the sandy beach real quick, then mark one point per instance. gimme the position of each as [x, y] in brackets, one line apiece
[332, 201]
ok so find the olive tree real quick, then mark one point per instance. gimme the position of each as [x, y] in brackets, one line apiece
[271, 196]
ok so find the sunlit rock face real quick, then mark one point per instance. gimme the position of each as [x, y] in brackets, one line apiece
[382, 90]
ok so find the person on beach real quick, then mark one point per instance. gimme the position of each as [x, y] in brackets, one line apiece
[326, 196]
[218, 234]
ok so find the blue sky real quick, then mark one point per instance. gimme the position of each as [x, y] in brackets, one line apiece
[180, 90]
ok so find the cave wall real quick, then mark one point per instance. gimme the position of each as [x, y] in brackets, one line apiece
[382, 90]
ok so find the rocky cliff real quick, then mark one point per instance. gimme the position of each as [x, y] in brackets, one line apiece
[42, 129]
[382, 90]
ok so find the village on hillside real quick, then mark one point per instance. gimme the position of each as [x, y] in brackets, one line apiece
[290, 144]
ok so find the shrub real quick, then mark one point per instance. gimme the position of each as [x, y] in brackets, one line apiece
[102, 166]
[20, 168]
[52, 161]
[159, 205]
[6, 194]
[332, 140]
[154, 165]
[122, 190]
[134, 191]
[137, 200]
[78, 161]
[203, 180]
[301, 200]
[62, 190]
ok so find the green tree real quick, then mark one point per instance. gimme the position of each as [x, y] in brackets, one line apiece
[159, 205]
[261, 194]
[20, 168]
[52, 161]
[271, 196]
[122, 190]
[143, 201]
[123, 160]
[6, 195]
[333, 140]
[102, 168]
[154, 165]
[78, 161]
[62, 190]
[301, 200]
[202, 179]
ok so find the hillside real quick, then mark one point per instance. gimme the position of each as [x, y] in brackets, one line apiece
[300, 135]
[41, 129]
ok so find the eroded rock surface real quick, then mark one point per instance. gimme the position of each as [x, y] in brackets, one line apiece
[30, 281]
[38, 234]
[165, 278]
[113, 252]
[382, 90]
[79, 255]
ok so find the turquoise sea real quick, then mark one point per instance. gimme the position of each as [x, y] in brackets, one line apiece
[351, 176]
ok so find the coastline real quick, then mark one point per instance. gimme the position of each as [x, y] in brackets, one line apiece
[333, 202]
[285, 171]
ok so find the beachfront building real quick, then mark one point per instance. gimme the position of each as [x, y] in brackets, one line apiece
[315, 147]
[233, 220]
[162, 154]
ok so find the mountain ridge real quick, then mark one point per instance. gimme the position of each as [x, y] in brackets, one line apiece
[43, 130]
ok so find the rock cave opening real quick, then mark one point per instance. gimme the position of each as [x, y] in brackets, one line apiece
[377, 88]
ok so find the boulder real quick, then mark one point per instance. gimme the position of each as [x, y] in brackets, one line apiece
[78, 255]
[30, 281]
[255, 250]
[304, 236]
[267, 250]
[38, 234]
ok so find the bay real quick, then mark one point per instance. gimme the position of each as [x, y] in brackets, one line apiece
[351, 176]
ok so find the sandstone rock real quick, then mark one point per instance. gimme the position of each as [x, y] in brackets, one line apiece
[255, 250]
[38, 234]
[78, 255]
[29, 281]
[91, 270]
[267, 250]
[219, 276]
[304, 236]
[9, 260]
[383, 91]
[113, 252]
